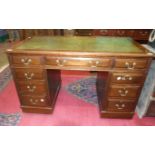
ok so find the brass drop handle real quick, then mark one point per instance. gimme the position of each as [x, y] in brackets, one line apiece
[126, 77]
[94, 63]
[35, 101]
[28, 75]
[42, 100]
[26, 61]
[130, 65]
[104, 31]
[123, 92]
[60, 63]
[122, 106]
[31, 88]
[143, 33]
[121, 32]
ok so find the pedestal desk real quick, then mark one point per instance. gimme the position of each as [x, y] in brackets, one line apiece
[36, 64]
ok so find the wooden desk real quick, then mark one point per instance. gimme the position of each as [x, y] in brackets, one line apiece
[36, 64]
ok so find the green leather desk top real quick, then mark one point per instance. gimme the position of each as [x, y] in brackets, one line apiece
[94, 44]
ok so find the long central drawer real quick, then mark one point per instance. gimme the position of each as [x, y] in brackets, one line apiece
[85, 62]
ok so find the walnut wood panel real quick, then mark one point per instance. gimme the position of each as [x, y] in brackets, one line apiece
[29, 74]
[118, 105]
[102, 85]
[124, 91]
[54, 84]
[127, 78]
[131, 64]
[32, 87]
[112, 114]
[36, 109]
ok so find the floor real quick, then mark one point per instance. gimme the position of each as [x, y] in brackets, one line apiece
[69, 110]
[4, 65]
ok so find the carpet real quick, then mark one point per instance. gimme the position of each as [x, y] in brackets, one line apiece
[84, 89]
[9, 119]
[69, 110]
[5, 77]
[5, 73]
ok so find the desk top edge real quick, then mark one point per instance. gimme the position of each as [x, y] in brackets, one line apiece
[94, 40]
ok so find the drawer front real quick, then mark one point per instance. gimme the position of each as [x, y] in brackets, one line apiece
[131, 33]
[120, 32]
[142, 33]
[127, 78]
[103, 32]
[124, 91]
[85, 62]
[121, 105]
[26, 61]
[83, 32]
[29, 74]
[34, 100]
[35, 87]
[131, 64]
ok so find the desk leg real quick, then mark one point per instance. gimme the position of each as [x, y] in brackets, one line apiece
[102, 86]
[102, 89]
[54, 85]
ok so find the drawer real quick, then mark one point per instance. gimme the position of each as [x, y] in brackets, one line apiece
[83, 32]
[142, 33]
[121, 105]
[124, 91]
[35, 87]
[131, 33]
[34, 100]
[103, 32]
[25, 61]
[120, 32]
[85, 62]
[131, 64]
[127, 78]
[29, 74]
